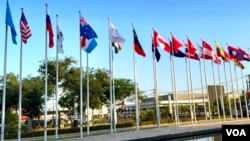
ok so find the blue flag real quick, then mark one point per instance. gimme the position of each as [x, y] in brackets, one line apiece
[9, 22]
[89, 45]
[86, 30]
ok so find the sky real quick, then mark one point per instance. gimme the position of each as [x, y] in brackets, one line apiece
[223, 21]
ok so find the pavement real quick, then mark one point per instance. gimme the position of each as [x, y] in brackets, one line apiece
[148, 133]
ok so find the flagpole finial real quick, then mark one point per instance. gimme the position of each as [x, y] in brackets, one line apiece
[79, 12]
[57, 15]
[22, 9]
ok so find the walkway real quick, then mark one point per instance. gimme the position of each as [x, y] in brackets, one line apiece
[150, 133]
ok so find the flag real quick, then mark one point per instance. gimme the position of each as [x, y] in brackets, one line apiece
[246, 56]
[176, 44]
[24, 29]
[206, 51]
[216, 59]
[9, 22]
[137, 46]
[50, 30]
[114, 34]
[89, 44]
[156, 52]
[178, 53]
[117, 46]
[221, 53]
[235, 53]
[238, 63]
[190, 48]
[194, 56]
[60, 39]
[159, 41]
[86, 30]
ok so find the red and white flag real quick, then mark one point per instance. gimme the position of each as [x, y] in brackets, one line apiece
[24, 29]
[159, 41]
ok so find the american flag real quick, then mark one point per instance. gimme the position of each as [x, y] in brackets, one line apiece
[24, 29]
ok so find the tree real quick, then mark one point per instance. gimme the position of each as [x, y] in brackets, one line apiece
[63, 67]
[32, 101]
[12, 91]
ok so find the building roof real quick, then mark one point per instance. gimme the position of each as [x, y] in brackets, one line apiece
[180, 96]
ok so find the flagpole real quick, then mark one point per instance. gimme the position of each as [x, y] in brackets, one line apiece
[191, 86]
[221, 95]
[189, 97]
[174, 86]
[135, 83]
[208, 97]
[111, 84]
[87, 93]
[81, 130]
[244, 94]
[20, 91]
[56, 132]
[4, 85]
[113, 89]
[235, 106]
[202, 91]
[46, 82]
[156, 89]
[237, 87]
[216, 93]
[229, 100]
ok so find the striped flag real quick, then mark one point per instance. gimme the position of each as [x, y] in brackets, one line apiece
[24, 29]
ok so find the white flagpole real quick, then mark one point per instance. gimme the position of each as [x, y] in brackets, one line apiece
[113, 89]
[135, 83]
[215, 89]
[189, 97]
[111, 84]
[81, 130]
[208, 97]
[56, 125]
[244, 94]
[87, 93]
[235, 106]
[221, 95]
[20, 91]
[202, 91]
[4, 85]
[156, 90]
[46, 82]
[174, 87]
[237, 87]
[191, 86]
[229, 100]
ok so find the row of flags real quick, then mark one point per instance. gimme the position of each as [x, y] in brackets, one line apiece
[173, 47]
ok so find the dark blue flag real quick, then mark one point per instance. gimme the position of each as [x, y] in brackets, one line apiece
[156, 52]
[86, 30]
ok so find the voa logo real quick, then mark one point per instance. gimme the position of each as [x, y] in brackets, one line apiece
[236, 132]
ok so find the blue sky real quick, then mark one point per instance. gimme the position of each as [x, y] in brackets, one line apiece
[224, 21]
